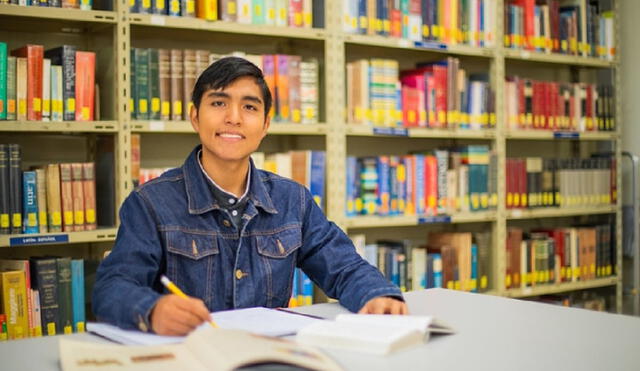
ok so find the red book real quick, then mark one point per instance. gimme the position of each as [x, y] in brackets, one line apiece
[395, 16]
[295, 13]
[85, 85]
[34, 55]
[431, 184]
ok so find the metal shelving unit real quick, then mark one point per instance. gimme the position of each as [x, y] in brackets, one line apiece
[333, 44]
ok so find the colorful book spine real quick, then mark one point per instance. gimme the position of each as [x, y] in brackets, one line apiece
[30, 202]
[11, 88]
[65, 56]
[77, 294]
[14, 300]
[15, 188]
[3, 80]
[85, 85]
[34, 55]
[42, 199]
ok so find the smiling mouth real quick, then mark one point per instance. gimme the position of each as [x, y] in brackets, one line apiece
[230, 136]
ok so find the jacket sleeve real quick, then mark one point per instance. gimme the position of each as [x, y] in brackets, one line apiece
[124, 293]
[329, 258]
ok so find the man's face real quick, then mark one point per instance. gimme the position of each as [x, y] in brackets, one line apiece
[231, 122]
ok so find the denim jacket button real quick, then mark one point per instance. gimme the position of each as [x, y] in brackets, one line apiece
[226, 223]
[239, 274]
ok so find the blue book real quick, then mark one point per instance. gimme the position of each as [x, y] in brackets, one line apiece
[369, 185]
[307, 289]
[3, 80]
[393, 185]
[428, 274]
[474, 268]
[352, 164]
[30, 202]
[420, 184]
[293, 302]
[363, 21]
[317, 176]
[77, 294]
[384, 191]
[437, 270]
[395, 266]
[371, 254]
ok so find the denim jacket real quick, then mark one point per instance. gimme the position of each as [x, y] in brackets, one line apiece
[173, 225]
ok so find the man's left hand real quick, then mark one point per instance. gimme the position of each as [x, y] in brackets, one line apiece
[384, 305]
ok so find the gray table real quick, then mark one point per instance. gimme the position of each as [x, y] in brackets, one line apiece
[493, 333]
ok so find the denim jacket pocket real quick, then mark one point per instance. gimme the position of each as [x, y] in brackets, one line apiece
[191, 262]
[277, 257]
[280, 244]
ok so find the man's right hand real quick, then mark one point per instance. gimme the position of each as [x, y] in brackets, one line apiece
[176, 316]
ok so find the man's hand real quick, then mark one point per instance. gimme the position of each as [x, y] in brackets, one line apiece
[384, 305]
[176, 316]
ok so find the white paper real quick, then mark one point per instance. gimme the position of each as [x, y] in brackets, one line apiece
[261, 321]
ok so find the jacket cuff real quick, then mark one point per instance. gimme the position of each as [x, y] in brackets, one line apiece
[142, 312]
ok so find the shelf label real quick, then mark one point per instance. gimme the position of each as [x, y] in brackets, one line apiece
[156, 125]
[157, 20]
[398, 132]
[430, 45]
[566, 135]
[434, 219]
[38, 240]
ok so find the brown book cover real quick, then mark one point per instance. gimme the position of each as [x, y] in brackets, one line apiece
[85, 85]
[202, 62]
[164, 71]
[190, 74]
[461, 242]
[41, 186]
[78, 196]
[299, 166]
[514, 240]
[135, 159]
[89, 192]
[228, 10]
[294, 88]
[66, 198]
[35, 56]
[54, 203]
[177, 87]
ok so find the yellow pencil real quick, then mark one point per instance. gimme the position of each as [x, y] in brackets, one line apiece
[176, 290]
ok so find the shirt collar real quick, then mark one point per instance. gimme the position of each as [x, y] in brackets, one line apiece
[199, 194]
[229, 194]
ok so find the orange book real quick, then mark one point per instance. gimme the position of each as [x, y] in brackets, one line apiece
[207, 9]
[89, 192]
[35, 56]
[66, 197]
[77, 190]
[85, 85]
[135, 159]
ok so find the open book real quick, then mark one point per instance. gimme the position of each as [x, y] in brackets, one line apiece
[371, 333]
[205, 349]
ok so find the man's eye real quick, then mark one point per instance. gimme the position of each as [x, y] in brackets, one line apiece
[251, 107]
[217, 103]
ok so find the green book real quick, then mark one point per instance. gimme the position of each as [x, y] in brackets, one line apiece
[133, 96]
[3, 81]
[11, 88]
[154, 84]
[65, 305]
[142, 83]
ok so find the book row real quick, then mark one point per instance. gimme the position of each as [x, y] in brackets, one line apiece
[547, 105]
[69, 4]
[576, 28]
[434, 95]
[49, 198]
[559, 255]
[548, 182]
[53, 85]
[284, 13]
[459, 261]
[162, 81]
[441, 182]
[580, 299]
[453, 22]
[42, 296]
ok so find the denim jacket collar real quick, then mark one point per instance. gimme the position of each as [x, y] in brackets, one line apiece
[201, 199]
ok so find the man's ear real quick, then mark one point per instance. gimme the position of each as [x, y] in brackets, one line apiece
[267, 123]
[193, 114]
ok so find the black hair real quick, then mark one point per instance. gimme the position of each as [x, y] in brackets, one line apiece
[223, 73]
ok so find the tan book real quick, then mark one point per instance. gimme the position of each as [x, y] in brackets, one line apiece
[54, 203]
[66, 198]
[461, 242]
[164, 71]
[135, 159]
[21, 88]
[89, 192]
[78, 196]
[299, 166]
[202, 61]
[190, 75]
[177, 87]
[41, 186]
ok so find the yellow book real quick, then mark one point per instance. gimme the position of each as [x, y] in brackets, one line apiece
[14, 303]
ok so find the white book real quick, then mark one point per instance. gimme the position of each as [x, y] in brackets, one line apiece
[56, 93]
[371, 333]
[244, 11]
[270, 12]
[46, 89]
[282, 13]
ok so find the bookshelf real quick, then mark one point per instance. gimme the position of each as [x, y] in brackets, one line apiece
[113, 33]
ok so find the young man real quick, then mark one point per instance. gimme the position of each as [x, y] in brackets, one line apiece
[229, 235]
